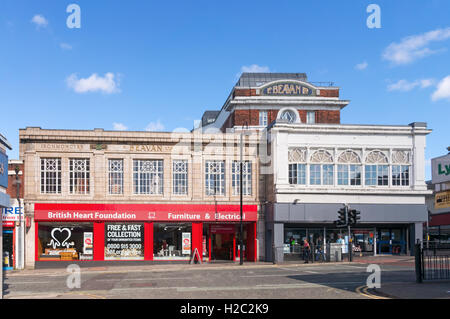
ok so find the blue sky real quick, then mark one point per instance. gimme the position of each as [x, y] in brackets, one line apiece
[159, 65]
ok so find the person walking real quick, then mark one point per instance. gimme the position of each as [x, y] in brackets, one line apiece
[306, 250]
[319, 249]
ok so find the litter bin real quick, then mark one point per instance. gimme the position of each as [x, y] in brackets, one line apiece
[334, 252]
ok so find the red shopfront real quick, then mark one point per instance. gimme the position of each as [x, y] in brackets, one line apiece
[163, 232]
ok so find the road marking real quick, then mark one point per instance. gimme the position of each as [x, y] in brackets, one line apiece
[276, 275]
[363, 291]
[26, 282]
[85, 294]
[137, 279]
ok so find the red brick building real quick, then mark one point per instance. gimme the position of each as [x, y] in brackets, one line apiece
[258, 99]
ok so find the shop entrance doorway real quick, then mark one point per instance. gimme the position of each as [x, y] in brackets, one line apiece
[222, 247]
[222, 242]
[391, 241]
[8, 243]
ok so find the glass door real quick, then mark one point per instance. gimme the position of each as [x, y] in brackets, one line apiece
[8, 257]
[391, 241]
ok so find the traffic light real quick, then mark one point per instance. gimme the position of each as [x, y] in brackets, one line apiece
[357, 217]
[353, 216]
[342, 217]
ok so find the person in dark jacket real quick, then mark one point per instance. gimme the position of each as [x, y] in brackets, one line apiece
[306, 250]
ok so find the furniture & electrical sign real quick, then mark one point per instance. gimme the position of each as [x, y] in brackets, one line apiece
[143, 212]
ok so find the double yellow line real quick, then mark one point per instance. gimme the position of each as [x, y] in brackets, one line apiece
[82, 293]
[363, 291]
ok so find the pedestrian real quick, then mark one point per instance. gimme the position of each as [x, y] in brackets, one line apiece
[319, 249]
[306, 250]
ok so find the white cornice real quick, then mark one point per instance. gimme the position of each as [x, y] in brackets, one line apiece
[347, 129]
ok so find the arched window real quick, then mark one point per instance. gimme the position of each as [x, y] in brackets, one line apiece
[289, 114]
[321, 173]
[349, 168]
[377, 169]
[400, 168]
[297, 166]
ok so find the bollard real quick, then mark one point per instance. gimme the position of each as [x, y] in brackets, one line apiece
[418, 253]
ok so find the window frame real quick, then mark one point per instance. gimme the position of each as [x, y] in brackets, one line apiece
[264, 121]
[180, 176]
[222, 179]
[246, 176]
[139, 176]
[85, 176]
[403, 181]
[116, 175]
[44, 177]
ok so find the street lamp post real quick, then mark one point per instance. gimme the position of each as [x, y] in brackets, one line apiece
[241, 175]
[241, 257]
[17, 182]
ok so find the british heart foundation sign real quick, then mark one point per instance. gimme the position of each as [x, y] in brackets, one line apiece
[144, 212]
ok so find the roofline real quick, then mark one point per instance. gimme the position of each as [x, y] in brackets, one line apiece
[282, 124]
[5, 142]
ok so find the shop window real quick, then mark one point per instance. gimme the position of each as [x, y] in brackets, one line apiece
[65, 241]
[124, 241]
[246, 177]
[148, 176]
[115, 176]
[293, 241]
[50, 175]
[172, 241]
[79, 175]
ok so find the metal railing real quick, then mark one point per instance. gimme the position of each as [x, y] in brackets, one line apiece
[432, 262]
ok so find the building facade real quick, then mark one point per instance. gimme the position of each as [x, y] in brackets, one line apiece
[108, 195]
[258, 99]
[438, 201]
[14, 222]
[5, 235]
[377, 170]
[312, 164]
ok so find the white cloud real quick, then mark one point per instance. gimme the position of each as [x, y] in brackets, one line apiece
[94, 83]
[362, 66]
[254, 68]
[65, 46]
[119, 127]
[405, 85]
[443, 90]
[414, 47]
[39, 21]
[155, 126]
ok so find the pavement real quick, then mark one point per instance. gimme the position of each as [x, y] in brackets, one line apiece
[260, 280]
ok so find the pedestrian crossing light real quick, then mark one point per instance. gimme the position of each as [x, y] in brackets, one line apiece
[342, 217]
[354, 216]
